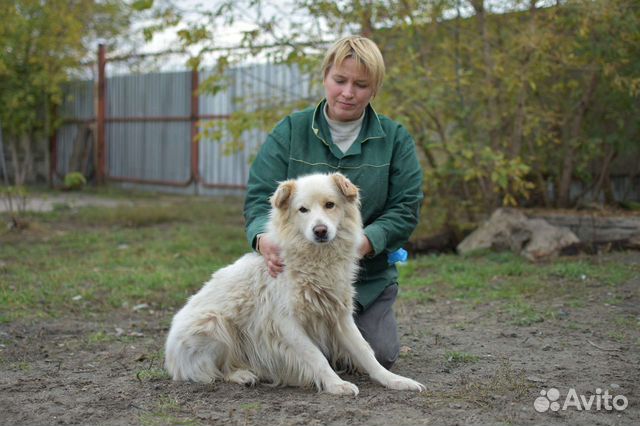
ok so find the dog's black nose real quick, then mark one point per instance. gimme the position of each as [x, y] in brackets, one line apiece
[320, 231]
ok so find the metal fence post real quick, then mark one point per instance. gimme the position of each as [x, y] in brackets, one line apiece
[195, 113]
[3, 163]
[53, 157]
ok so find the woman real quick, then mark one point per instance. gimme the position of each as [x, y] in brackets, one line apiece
[344, 134]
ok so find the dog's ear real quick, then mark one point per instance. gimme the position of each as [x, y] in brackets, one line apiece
[349, 190]
[283, 194]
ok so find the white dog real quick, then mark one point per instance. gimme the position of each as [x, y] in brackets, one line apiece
[244, 325]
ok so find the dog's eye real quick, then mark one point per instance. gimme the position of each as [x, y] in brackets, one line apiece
[329, 205]
[303, 209]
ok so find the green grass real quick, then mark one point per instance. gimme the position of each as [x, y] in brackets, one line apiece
[153, 374]
[256, 406]
[166, 412]
[160, 249]
[522, 293]
[522, 313]
[154, 370]
[509, 278]
[455, 357]
[23, 366]
[93, 260]
[100, 337]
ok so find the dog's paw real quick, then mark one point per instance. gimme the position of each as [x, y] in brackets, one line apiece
[243, 377]
[342, 388]
[402, 383]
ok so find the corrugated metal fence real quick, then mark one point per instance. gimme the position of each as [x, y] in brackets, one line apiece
[149, 140]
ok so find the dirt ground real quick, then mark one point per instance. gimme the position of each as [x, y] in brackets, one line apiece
[107, 371]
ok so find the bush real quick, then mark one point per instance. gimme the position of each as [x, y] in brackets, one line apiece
[74, 181]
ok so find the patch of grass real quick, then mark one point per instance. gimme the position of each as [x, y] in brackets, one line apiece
[573, 326]
[100, 337]
[251, 406]
[130, 216]
[479, 279]
[575, 303]
[589, 270]
[154, 370]
[626, 327]
[613, 299]
[627, 322]
[523, 314]
[152, 374]
[460, 325]
[618, 336]
[248, 411]
[23, 366]
[455, 357]
[506, 384]
[165, 413]
[92, 260]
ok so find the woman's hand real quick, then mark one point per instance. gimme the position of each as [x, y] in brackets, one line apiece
[271, 254]
[365, 247]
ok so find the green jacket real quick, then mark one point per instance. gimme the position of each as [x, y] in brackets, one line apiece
[382, 162]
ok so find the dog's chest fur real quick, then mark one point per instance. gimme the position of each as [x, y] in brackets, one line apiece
[321, 293]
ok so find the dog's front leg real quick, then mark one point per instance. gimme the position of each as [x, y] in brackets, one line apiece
[350, 337]
[311, 358]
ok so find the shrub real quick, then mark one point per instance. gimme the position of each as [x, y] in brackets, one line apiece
[74, 181]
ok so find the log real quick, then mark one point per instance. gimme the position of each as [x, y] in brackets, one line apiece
[442, 242]
[597, 231]
[593, 227]
[601, 247]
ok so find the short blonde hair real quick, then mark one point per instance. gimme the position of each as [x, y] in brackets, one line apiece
[365, 52]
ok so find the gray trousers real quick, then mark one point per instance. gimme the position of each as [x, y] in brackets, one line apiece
[378, 327]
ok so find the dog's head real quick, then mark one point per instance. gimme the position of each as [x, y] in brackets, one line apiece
[317, 206]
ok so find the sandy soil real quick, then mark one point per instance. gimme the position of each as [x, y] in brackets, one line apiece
[107, 370]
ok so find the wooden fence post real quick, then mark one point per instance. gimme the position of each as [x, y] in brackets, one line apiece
[100, 117]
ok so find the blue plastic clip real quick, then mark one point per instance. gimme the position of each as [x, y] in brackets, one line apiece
[399, 256]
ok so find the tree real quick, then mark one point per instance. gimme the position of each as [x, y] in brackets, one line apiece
[593, 93]
[514, 103]
[506, 100]
[41, 43]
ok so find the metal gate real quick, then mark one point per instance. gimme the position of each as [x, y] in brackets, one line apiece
[146, 127]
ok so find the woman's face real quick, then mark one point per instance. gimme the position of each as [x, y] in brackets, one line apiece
[348, 90]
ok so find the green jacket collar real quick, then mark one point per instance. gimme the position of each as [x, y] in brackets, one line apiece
[371, 130]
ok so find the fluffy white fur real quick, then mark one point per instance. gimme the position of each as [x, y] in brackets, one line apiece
[244, 326]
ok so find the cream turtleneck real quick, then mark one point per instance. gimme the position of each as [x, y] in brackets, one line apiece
[343, 133]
